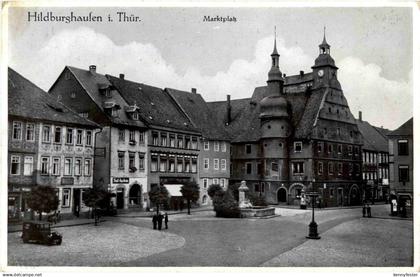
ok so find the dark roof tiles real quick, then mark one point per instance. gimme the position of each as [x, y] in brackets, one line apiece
[194, 106]
[156, 106]
[92, 82]
[404, 130]
[29, 101]
[373, 139]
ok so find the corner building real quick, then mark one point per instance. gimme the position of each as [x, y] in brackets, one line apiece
[294, 135]
[120, 164]
[48, 145]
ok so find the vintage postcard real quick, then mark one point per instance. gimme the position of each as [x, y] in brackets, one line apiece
[231, 135]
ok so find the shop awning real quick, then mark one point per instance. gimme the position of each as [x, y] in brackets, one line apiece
[174, 190]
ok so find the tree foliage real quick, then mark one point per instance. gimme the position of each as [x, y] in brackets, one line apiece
[213, 189]
[225, 205]
[159, 195]
[97, 199]
[43, 199]
[257, 199]
[191, 192]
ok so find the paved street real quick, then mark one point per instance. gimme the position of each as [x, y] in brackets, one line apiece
[203, 240]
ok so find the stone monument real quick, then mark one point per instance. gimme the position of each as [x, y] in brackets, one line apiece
[243, 201]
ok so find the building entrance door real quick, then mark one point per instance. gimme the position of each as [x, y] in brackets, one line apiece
[354, 196]
[340, 197]
[282, 195]
[76, 202]
[120, 198]
[135, 194]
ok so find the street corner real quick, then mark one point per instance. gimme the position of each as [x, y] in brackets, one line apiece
[105, 245]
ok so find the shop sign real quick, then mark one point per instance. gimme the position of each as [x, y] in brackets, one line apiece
[67, 181]
[120, 180]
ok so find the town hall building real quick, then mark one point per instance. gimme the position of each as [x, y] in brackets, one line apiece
[295, 135]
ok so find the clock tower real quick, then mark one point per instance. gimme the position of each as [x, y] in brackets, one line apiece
[324, 70]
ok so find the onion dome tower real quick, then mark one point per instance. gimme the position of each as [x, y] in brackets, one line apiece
[275, 122]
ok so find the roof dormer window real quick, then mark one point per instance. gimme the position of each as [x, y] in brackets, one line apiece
[135, 116]
[104, 90]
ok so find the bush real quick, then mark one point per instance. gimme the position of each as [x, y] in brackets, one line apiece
[257, 200]
[225, 204]
[213, 190]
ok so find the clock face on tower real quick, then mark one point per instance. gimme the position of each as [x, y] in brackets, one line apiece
[320, 73]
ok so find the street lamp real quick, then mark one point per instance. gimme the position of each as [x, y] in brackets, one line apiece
[313, 227]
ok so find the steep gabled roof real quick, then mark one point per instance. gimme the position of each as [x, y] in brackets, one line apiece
[29, 101]
[404, 130]
[373, 139]
[92, 82]
[383, 131]
[245, 124]
[156, 106]
[194, 106]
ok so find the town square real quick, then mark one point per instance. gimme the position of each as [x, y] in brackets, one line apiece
[271, 137]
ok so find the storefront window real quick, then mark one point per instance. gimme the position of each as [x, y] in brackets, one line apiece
[66, 198]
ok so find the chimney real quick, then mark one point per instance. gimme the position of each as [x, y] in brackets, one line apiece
[301, 73]
[121, 76]
[194, 90]
[228, 110]
[92, 69]
[360, 115]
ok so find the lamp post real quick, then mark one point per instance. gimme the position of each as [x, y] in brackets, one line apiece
[313, 227]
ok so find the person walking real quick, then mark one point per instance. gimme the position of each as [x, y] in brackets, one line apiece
[154, 220]
[166, 220]
[160, 220]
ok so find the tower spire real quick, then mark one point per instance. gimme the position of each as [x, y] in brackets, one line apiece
[275, 79]
[275, 43]
[324, 47]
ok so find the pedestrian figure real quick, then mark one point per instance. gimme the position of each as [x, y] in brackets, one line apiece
[166, 220]
[369, 214]
[154, 220]
[160, 220]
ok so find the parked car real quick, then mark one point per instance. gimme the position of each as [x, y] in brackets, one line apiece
[40, 232]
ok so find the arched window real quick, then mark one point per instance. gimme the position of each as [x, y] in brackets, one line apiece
[204, 200]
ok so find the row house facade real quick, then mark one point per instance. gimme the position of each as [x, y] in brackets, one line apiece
[375, 170]
[294, 135]
[48, 145]
[121, 161]
[401, 152]
[214, 144]
[172, 140]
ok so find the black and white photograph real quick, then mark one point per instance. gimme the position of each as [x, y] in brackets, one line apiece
[226, 135]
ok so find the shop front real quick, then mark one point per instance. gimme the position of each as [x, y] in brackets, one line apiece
[128, 192]
[17, 204]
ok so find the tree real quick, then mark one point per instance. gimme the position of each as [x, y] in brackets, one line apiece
[43, 199]
[257, 199]
[213, 189]
[191, 192]
[225, 204]
[96, 199]
[158, 195]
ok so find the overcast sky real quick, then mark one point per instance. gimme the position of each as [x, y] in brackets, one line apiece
[173, 47]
